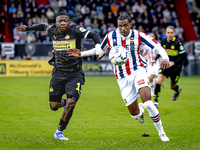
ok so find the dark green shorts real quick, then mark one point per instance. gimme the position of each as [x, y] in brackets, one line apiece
[173, 73]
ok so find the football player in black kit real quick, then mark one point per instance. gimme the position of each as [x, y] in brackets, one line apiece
[67, 77]
[176, 53]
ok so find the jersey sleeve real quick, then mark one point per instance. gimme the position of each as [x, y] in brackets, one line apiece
[80, 31]
[148, 40]
[106, 43]
[38, 27]
[181, 48]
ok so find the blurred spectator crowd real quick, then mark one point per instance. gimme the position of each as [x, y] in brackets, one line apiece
[98, 16]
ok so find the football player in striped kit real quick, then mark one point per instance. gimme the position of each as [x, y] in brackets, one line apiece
[153, 67]
[131, 76]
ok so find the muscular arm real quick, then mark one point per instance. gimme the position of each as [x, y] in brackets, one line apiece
[95, 37]
[39, 27]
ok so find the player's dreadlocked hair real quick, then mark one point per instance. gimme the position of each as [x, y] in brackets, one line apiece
[71, 16]
[124, 16]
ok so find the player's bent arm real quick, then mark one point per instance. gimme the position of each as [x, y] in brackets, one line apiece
[161, 52]
[88, 53]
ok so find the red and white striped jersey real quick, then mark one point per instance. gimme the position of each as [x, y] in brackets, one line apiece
[134, 42]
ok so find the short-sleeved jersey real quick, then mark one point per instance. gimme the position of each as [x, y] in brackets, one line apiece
[173, 49]
[134, 42]
[62, 41]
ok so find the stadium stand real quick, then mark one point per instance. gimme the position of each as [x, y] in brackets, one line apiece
[100, 16]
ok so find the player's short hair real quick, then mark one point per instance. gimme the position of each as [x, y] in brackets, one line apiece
[170, 27]
[71, 16]
[124, 16]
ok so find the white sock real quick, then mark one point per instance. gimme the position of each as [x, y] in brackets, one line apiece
[154, 114]
[136, 117]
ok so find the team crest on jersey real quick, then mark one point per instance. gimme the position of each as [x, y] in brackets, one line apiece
[82, 29]
[132, 39]
[67, 37]
[172, 47]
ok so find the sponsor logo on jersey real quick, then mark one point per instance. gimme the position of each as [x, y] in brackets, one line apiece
[141, 82]
[171, 52]
[64, 45]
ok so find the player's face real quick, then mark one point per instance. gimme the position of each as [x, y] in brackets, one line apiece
[170, 34]
[124, 27]
[62, 23]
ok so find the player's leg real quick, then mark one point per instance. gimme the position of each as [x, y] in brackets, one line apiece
[143, 88]
[153, 112]
[73, 91]
[129, 95]
[159, 81]
[137, 111]
[56, 90]
[152, 83]
[173, 85]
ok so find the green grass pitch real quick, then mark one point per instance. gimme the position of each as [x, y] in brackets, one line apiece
[100, 121]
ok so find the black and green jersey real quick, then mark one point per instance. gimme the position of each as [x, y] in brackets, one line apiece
[174, 50]
[62, 41]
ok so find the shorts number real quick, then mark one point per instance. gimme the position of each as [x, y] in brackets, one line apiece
[79, 88]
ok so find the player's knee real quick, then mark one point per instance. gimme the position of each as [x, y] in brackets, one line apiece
[53, 107]
[71, 103]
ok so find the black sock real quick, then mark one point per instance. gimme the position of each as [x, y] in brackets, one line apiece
[157, 92]
[62, 125]
[176, 89]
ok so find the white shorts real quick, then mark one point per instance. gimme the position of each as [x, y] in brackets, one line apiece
[153, 70]
[130, 85]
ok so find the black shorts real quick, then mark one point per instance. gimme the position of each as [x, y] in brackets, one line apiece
[173, 73]
[69, 84]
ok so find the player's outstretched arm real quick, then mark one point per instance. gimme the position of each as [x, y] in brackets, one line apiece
[22, 28]
[39, 27]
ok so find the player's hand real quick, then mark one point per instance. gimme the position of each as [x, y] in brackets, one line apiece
[22, 28]
[165, 64]
[74, 52]
[99, 58]
[171, 63]
[152, 62]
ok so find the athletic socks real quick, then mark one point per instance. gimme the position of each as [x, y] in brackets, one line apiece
[157, 92]
[155, 117]
[62, 125]
[136, 117]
